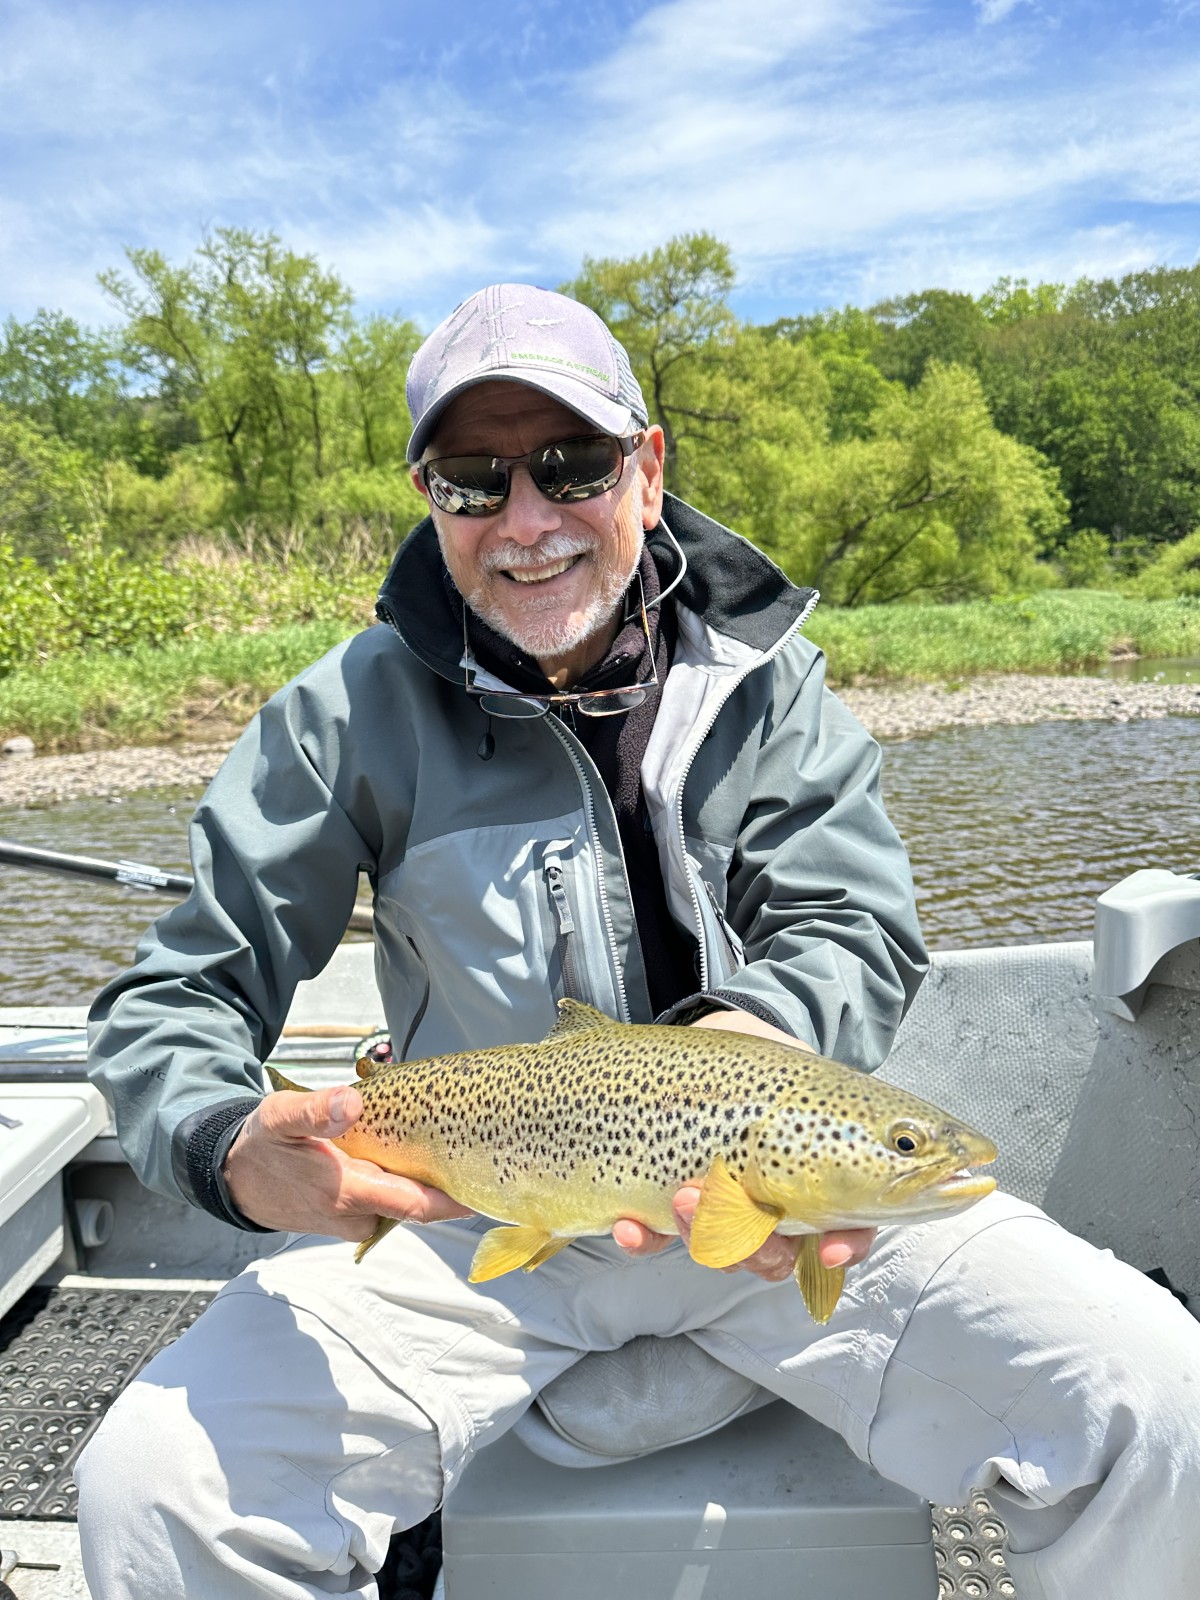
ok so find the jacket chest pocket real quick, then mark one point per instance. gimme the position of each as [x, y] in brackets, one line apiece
[564, 973]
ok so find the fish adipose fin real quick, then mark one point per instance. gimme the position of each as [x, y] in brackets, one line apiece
[574, 1017]
[821, 1286]
[728, 1225]
[504, 1249]
[382, 1225]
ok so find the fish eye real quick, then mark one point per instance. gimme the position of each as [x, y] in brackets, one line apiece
[906, 1138]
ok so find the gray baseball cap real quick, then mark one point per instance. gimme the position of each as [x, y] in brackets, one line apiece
[531, 336]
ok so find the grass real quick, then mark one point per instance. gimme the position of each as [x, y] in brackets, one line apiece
[1064, 630]
[204, 688]
[195, 688]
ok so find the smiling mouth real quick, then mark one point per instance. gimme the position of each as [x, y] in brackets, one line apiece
[552, 569]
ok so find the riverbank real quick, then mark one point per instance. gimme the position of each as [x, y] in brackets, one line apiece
[889, 713]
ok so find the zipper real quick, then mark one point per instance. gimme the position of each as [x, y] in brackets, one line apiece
[419, 1014]
[553, 872]
[695, 750]
[589, 808]
[737, 958]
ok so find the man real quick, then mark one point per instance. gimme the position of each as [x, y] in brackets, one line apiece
[589, 753]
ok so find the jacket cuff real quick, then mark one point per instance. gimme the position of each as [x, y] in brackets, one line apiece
[703, 1005]
[204, 1139]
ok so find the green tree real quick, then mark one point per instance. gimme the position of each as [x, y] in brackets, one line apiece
[240, 338]
[936, 503]
[48, 489]
[669, 308]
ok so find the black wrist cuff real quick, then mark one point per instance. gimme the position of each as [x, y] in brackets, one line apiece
[702, 1005]
[756, 1008]
[205, 1138]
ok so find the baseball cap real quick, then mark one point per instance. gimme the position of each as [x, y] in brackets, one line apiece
[531, 336]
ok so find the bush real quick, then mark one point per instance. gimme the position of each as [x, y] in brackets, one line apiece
[1175, 572]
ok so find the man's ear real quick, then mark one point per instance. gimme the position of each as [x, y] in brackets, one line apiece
[651, 458]
[415, 475]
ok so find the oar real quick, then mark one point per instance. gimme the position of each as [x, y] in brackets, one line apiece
[134, 874]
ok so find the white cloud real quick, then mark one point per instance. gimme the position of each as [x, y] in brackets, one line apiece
[996, 10]
[841, 150]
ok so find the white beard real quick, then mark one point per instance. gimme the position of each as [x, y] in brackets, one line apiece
[551, 635]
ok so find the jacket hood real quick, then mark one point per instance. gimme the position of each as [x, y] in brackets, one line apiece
[729, 582]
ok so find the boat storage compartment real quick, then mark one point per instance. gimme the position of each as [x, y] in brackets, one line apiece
[41, 1127]
[772, 1503]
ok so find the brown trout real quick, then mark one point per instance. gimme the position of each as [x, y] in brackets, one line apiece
[602, 1120]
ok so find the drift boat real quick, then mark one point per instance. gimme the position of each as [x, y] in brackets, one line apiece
[1078, 1058]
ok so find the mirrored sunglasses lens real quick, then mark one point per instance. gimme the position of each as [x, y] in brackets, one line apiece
[471, 486]
[577, 469]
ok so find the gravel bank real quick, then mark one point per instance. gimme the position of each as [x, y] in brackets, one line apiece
[45, 780]
[889, 713]
[983, 702]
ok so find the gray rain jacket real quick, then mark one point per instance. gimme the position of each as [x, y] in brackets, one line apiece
[498, 878]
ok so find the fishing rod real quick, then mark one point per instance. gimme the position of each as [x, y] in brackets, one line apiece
[132, 874]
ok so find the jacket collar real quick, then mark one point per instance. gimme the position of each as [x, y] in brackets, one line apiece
[729, 582]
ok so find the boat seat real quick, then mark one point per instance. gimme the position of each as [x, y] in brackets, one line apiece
[42, 1126]
[769, 1502]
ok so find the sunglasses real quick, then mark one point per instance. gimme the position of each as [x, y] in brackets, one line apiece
[571, 470]
[513, 704]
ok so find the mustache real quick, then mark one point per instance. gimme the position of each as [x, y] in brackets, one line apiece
[517, 557]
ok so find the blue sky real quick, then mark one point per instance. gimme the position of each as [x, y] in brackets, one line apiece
[845, 149]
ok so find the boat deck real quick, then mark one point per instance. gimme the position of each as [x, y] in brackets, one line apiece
[68, 1349]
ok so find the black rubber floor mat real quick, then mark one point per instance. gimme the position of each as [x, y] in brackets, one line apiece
[968, 1542]
[65, 1355]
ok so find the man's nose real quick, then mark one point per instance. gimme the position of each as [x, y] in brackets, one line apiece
[527, 515]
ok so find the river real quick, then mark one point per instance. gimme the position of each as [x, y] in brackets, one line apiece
[1013, 831]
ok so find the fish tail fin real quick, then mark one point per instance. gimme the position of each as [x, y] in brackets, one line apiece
[820, 1285]
[383, 1225]
[278, 1081]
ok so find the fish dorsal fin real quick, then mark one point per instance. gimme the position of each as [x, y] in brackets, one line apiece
[575, 1017]
[366, 1068]
[279, 1083]
[821, 1286]
[728, 1225]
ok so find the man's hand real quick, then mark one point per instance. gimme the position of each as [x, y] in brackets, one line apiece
[283, 1172]
[776, 1259]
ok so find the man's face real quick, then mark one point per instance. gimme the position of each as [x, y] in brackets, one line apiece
[546, 576]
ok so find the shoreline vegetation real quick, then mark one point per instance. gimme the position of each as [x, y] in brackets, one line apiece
[105, 722]
[205, 687]
[202, 498]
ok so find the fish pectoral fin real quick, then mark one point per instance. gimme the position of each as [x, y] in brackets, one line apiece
[576, 1017]
[504, 1249]
[728, 1225]
[821, 1286]
[383, 1225]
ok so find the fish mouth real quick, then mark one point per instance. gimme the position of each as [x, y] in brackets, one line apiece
[963, 1185]
[949, 1182]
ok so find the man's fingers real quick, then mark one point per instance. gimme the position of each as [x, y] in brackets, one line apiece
[638, 1239]
[323, 1114]
[389, 1194]
[845, 1247]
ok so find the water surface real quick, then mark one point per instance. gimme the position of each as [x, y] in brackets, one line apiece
[1013, 832]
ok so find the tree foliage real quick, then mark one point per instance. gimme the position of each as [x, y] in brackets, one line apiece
[288, 396]
[936, 445]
